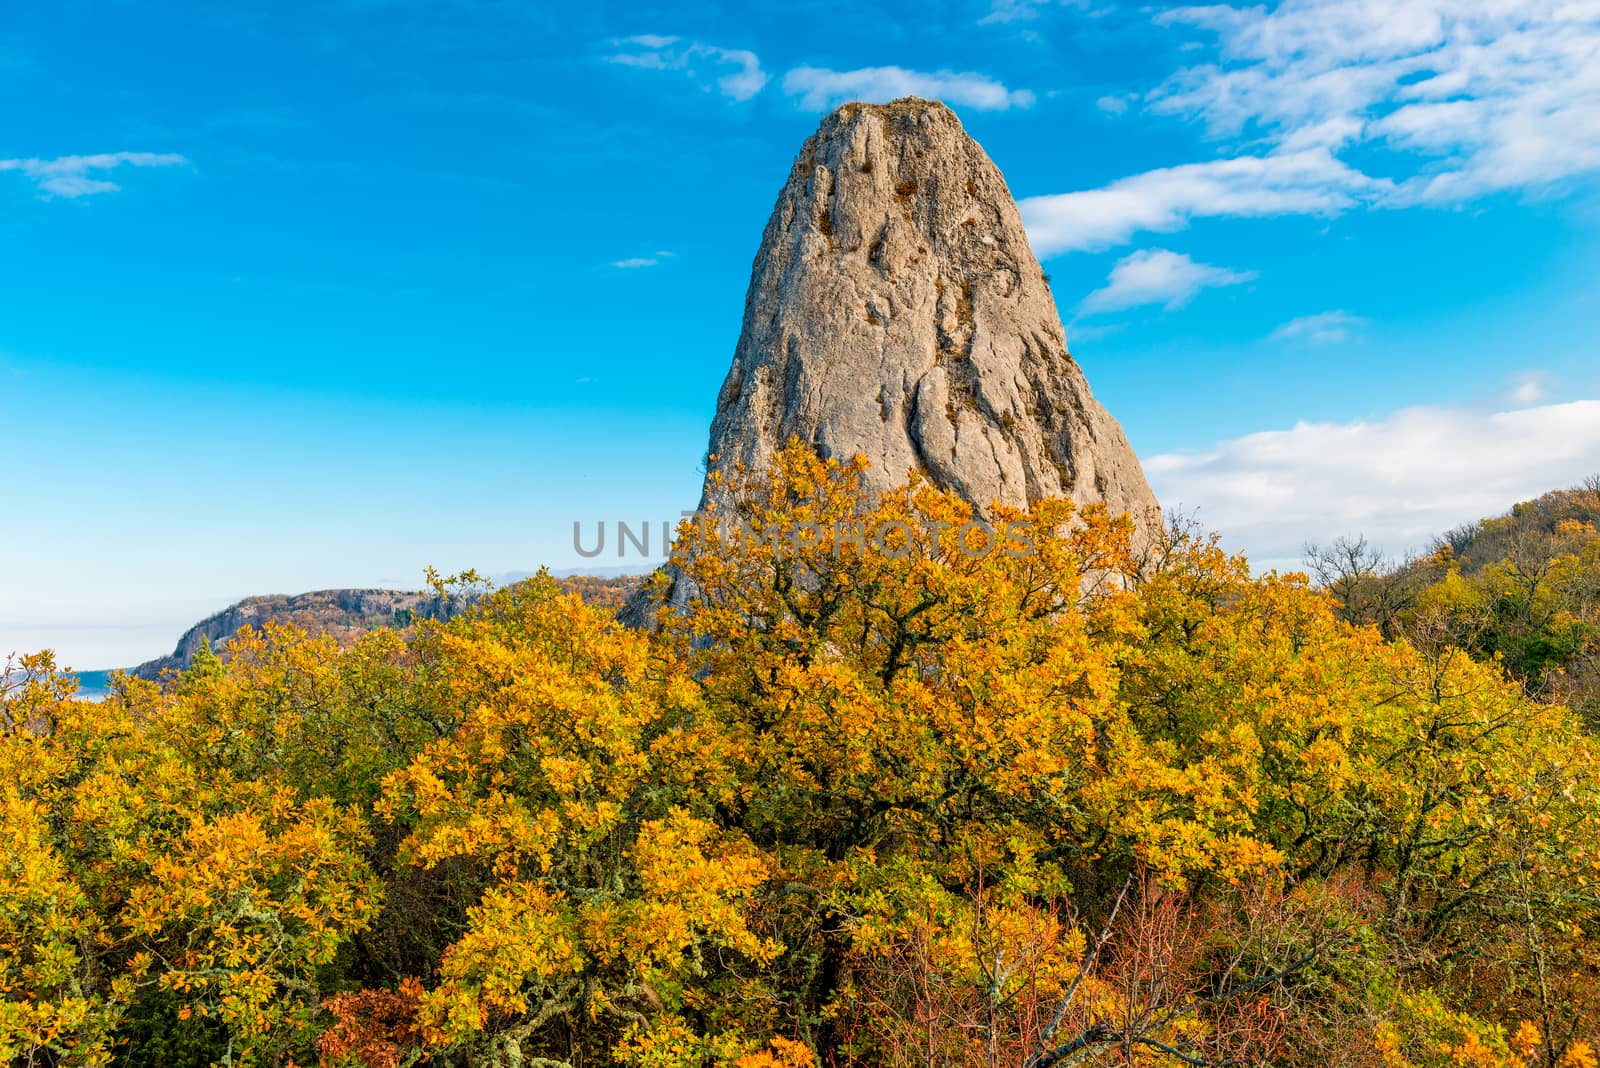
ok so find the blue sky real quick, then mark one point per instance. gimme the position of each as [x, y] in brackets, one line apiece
[297, 296]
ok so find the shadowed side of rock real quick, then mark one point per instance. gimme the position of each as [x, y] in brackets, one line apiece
[896, 312]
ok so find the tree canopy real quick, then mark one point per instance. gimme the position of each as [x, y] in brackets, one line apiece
[892, 783]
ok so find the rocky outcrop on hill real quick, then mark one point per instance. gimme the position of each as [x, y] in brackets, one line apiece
[347, 614]
[340, 613]
[896, 311]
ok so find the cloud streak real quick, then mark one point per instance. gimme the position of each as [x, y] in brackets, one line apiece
[737, 75]
[1400, 480]
[735, 72]
[1157, 276]
[1004, 11]
[71, 177]
[1493, 94]
[818, 88]
[1308, 182]
[1323, 328]
[1483, 96]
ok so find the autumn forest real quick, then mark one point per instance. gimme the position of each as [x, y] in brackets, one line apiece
[1098, 802]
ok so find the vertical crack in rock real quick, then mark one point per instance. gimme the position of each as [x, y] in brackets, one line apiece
[896, 311]
[894, 208]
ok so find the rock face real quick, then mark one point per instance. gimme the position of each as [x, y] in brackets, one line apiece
[347, 614]
[340, 613]
[896, 311]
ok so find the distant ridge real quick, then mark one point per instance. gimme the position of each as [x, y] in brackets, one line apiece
[340, 613]
[345, 614]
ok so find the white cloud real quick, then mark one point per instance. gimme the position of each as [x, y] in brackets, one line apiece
[737, 72]
[1324, 328]
[1495, 94]
[1307, 182]
[71, 176]
[1529, 392]
[1086, 332]
[1528, 388]
[634, 263]
[650, 40]
[1001, 11]
[1400, 480]
[1157, 276]
[819, 88]
[1485, 95]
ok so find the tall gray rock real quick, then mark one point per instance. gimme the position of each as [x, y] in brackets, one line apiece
[896, 311]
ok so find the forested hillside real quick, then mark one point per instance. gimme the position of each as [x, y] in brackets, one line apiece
[890, 789]
[345, 614]
[1522, 588]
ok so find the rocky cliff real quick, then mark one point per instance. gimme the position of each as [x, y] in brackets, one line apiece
[896, 311]
[346, 614]
[340, 613]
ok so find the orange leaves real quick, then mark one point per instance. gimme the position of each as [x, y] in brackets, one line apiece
[375, 1027]
[596, 889]
[668, 1043]
[876, 684]
[952, 983]
[693, 886]
[1427, 1033]
[780, 1053]
[245, 907]
[164, 873]
[522, 943]
[557, 739]
[1580, 1054]
[46, 923]
[873, 788]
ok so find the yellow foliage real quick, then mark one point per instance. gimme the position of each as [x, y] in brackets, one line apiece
[896, 782]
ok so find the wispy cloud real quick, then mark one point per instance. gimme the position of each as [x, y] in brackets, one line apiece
[1484, 95]
[1400, 479]
[1494, 94]
[1308, 182]
[1086, 332]
[738, 75]
[74, 176]
[1002, 11]
[1158, 276]
[1528, 387]
[735, 72]
[1323, 328]
[819, 88]
[634, 263]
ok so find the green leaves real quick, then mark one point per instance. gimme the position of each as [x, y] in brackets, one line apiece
[858, 802]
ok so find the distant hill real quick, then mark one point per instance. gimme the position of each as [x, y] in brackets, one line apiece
[1535, 524]
[346, 614]
[339, 613]
[608, 591]
[1523, 587]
